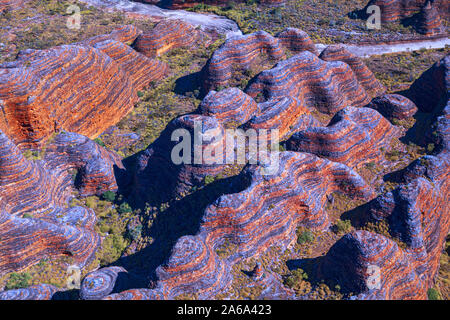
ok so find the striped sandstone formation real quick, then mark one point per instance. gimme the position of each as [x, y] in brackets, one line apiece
[426, 14]
[10, 4]
[26, 241]
[229, 105]
[287, 115]
[126, 34]
[34, 220]
[139, 69]
[36, 90]
[25, 185]
[155, 164]
[266, 212]
[354, 137]
[296, 41]
[429, 21]
[394, 10]
[328, 86]
[102, 282]
[357, 260]
[95, 166]
[393, 106]
[417, 213]
[365, 77]
[165, 36]
[227, 108]
[239, 53]
[37, 81]
[38, 292]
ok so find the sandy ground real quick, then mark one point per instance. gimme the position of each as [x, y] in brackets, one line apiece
[379, 49]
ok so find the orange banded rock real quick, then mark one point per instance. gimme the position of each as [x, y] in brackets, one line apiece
[328, 86]
[166, 35]
[354, 137]
[365, 77]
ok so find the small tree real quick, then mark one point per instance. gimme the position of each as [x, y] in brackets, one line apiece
[125, 208]
[433, 294]
[18, 280]
[305, 237]
[109, 196]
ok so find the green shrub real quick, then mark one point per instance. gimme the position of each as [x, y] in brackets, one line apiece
[343, 226]
[433, 294]
[109, 196]
[208, 180]
[125, 208]
[99, 142]
[112, 249]
[135, 233]
[18, 280]
[296, 276]
[305, 237]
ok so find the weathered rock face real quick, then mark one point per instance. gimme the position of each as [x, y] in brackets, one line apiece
[354, 137]
[365, 77]
[166, 35]
[393, 106]
[239, 53]
[126, 34]
[10, 4]
[431, 91]
[273, 204]
[50, 229]
[36, 90]
[94, 166]
[327, 86]
[38, 292]
[229, 105]
[296, 40]
[429, 21]
[26, 241]
[373, 267]
[140, 69]
[394, 10]
[28, 88]
[267, 211]
[26, 186]
[176, 177]
[100, 283]
[219, 110]
[417, 214]
[287, 115]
